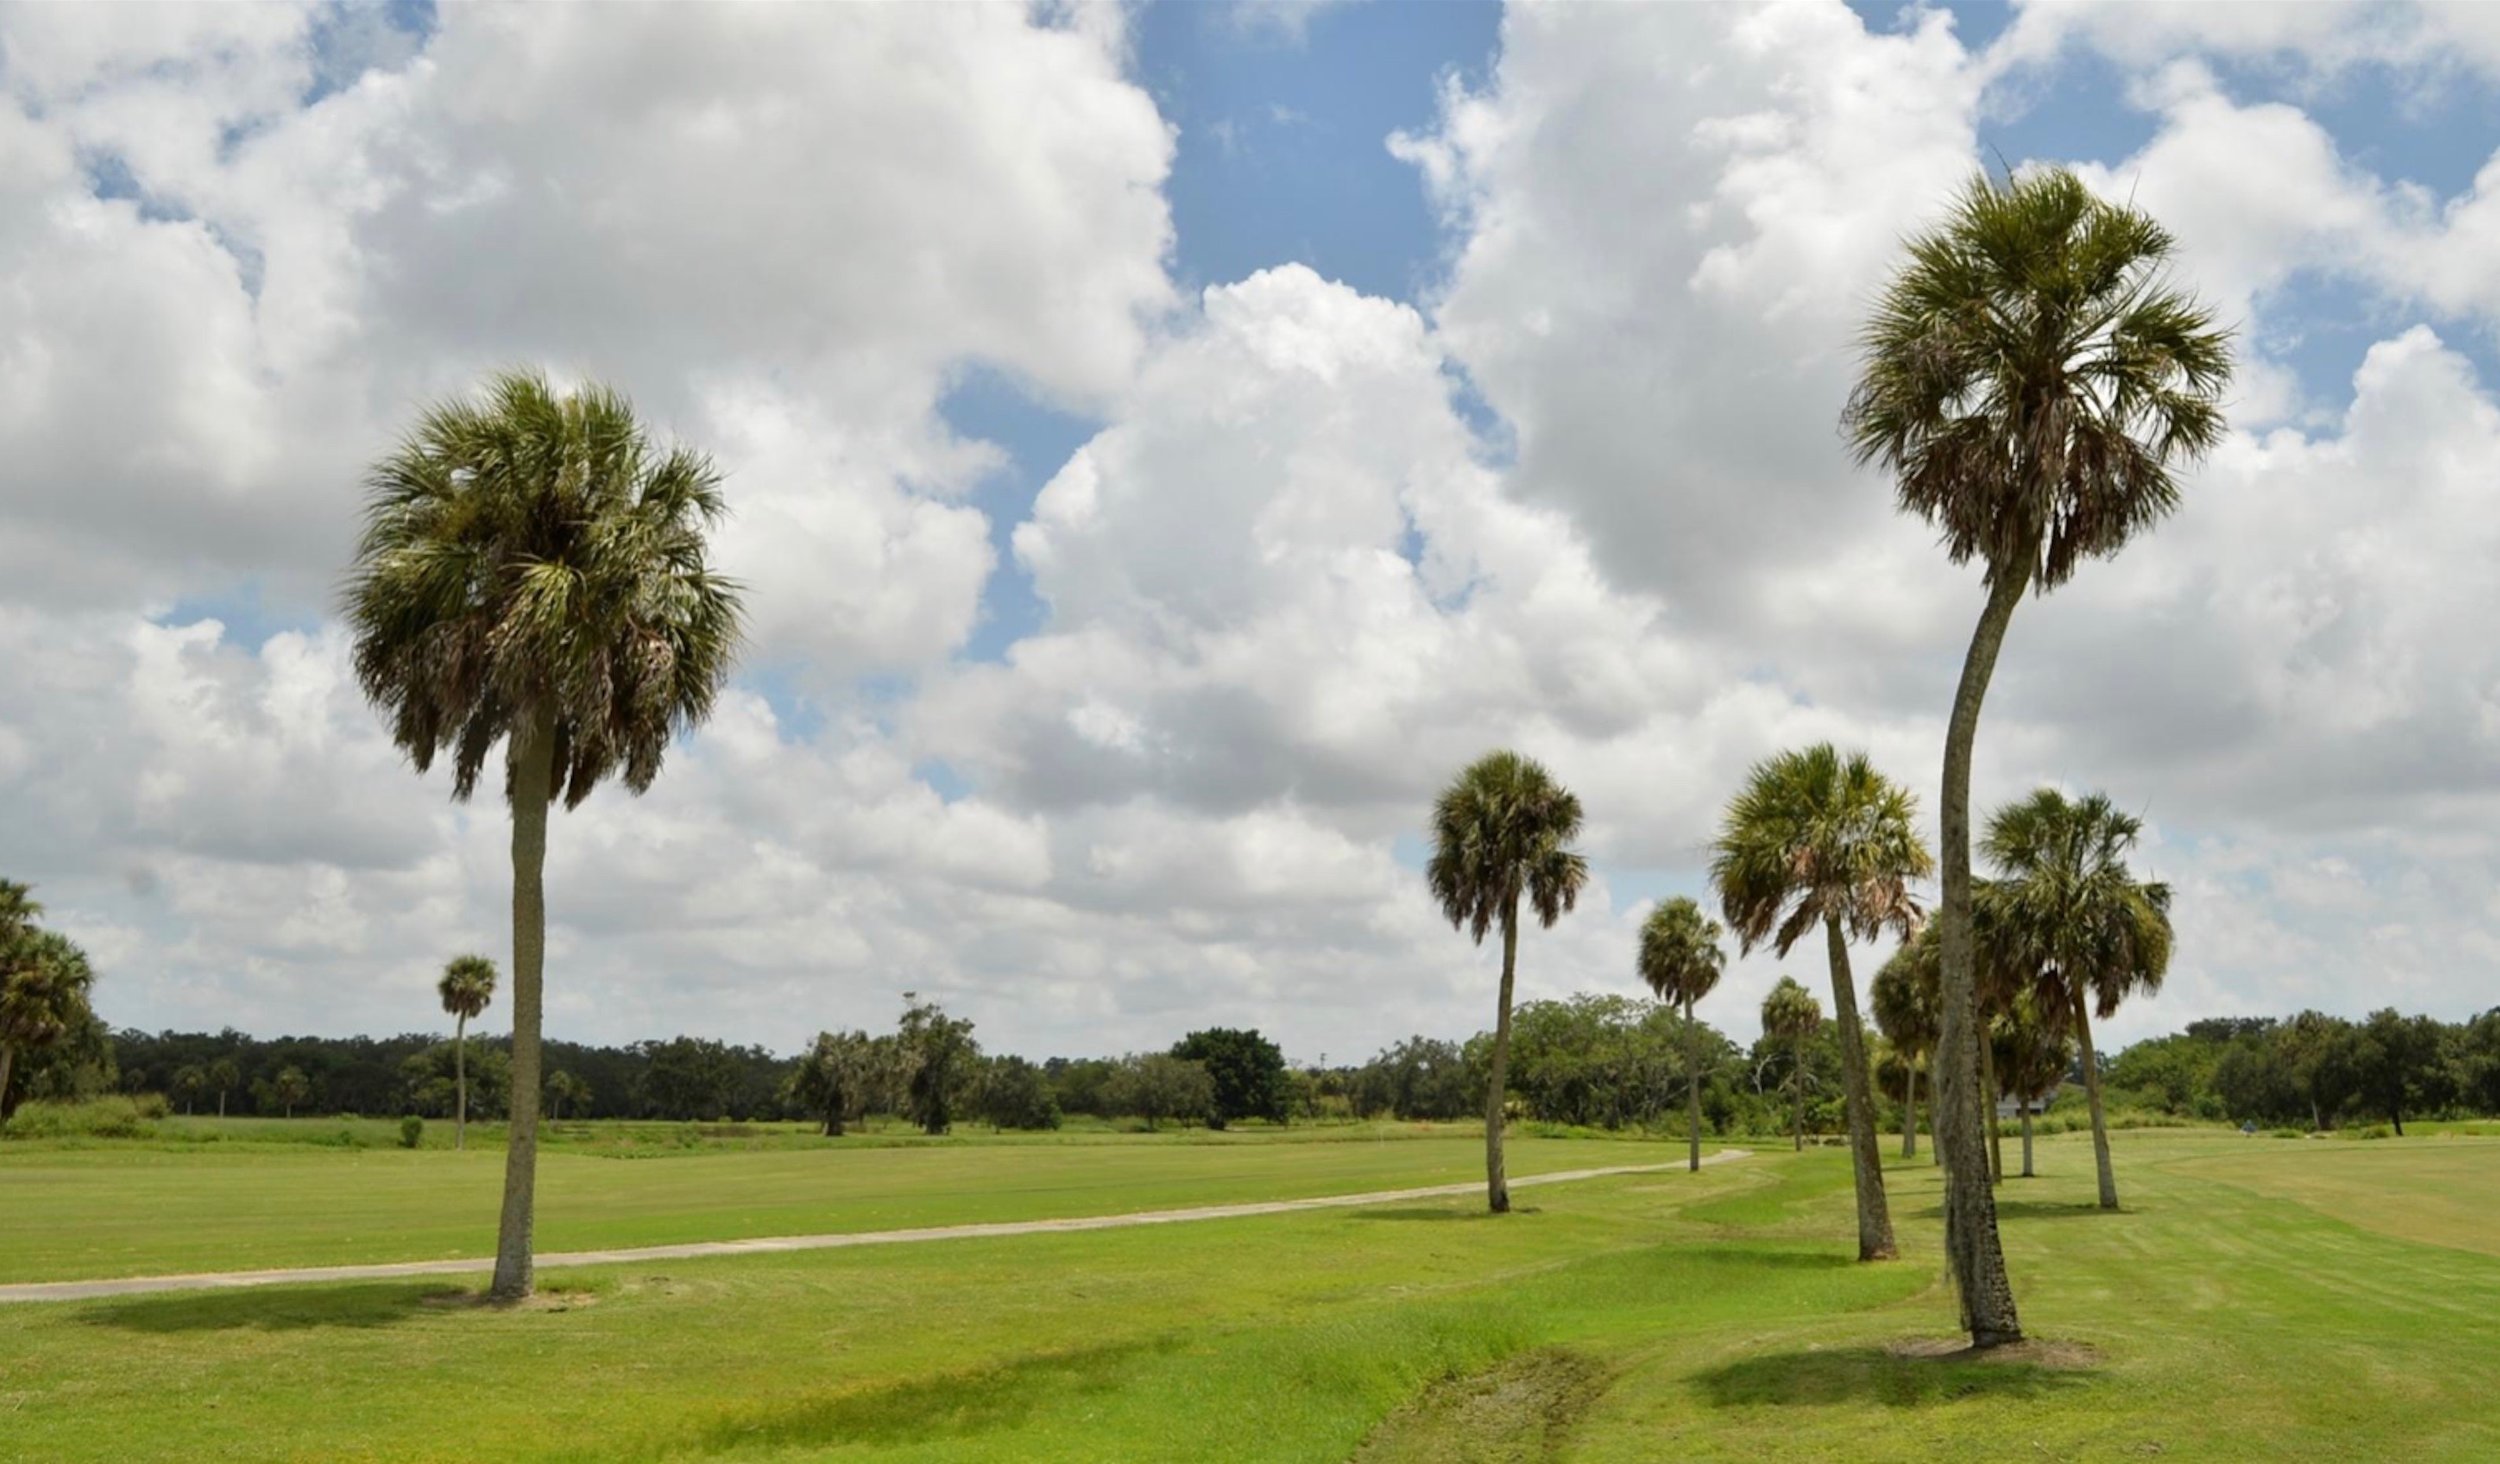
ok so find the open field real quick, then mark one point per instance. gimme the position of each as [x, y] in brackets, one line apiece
[2220, 1317]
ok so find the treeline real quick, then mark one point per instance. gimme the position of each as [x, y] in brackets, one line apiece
[2317, 1071]
[1604, 1062]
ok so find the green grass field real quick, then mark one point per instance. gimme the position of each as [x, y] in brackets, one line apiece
[2259, 1300]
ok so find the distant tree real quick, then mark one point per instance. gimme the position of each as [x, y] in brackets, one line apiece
[467, 986]
[1791, 1015]
[1012, 1094]
[225, 1077]
[562, 1088]
[431, 1080]
[532, 574]
[2397, 1061]
[289, 1087]
[832, 1078]
[1156, 1086]
[1502, 833]
[1903, 996]
[942, 1056]
[2077, 925]
[696, 1078]
[1248, 1072]
[2031, 378]
[1680, 960]
[2034, 1049]
[1816, 839]
[44, 981]
[1419, 1078]
[190, 1081]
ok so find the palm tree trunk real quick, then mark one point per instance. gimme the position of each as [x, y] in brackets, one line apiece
[1692, 1069]
[1797, 1080]
[1866, 1161]
[8, 1060]
[2100, 1121]
[460, 1079]
[1496, 1185]
[1909, 1112]
[1974, 1253]
[1996, 1121]
[221, 1103]
[2027, 1174]
[533, 778]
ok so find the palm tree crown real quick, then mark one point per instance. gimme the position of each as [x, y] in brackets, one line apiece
[1903, 997]
[1815, 835]
[468, 986]
[2032, 377]
[532, 563]
[2072, 916]
[1500, 833]
[1680, 957]
[1790, 1012]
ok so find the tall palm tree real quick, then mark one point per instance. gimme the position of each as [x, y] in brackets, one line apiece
[2076, 921]
[1903, 995]
[1790, 1014]
[1681, 960]
[44, 981]
[533, 573]
[1502, 832]
[468, 985]
[1816, 838]
[2031, 379]
[2032, 1049]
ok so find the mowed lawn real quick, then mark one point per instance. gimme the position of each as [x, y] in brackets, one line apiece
[1669, 1315]
[126, 1210]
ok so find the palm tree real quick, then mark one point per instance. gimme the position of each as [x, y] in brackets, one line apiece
[532, 573]
[1681, 960]
[289, 1088]
[562, 1088]
[2032, 1049]
[1818, 839]
[1790, 1014]
[2078, 925]
[189, 1081]
[43, 995]
[2030, 379]
[1903, 995]
[468, 985]
[1500, 833]
[222, 1076]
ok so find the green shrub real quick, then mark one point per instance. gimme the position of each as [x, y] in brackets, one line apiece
[2287, 1133]
[2377, 1131]
[111, 1117]
[411, 1131]
[151, 1105]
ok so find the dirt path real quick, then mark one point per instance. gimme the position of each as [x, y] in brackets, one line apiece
[764, 1245]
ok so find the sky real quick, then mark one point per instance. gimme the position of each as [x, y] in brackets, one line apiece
[1164, 443]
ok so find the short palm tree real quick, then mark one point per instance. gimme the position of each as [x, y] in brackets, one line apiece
[1790, 1014]
[2032, 1050]
[1502, 833]
[2082, 930]
[1818, 839]
[1903, 995]
[562, 1088]
[1681, 960]
[468, 985]
[44, 980]
[533, 575]
[2031, 379]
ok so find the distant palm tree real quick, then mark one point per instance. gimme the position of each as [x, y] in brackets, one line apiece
[1816, 838]
[2076, 922]
[2030, 378]
[1502, 833]
[2032, 1049]
[190, 1080]
[223, 1075]
[1681, 960]
[562, 1088]
[289, 1088]
[468, 985]
[1903, 995]
[533, 574]
[1790, 1014]
[44, 980]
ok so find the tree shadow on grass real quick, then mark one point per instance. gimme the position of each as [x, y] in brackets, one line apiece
[2033, 1210]
[1892, 1377]
[1420, 1212]
[276, 1308]
[949, 1405]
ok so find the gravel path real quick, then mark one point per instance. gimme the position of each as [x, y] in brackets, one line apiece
[766, 1245]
